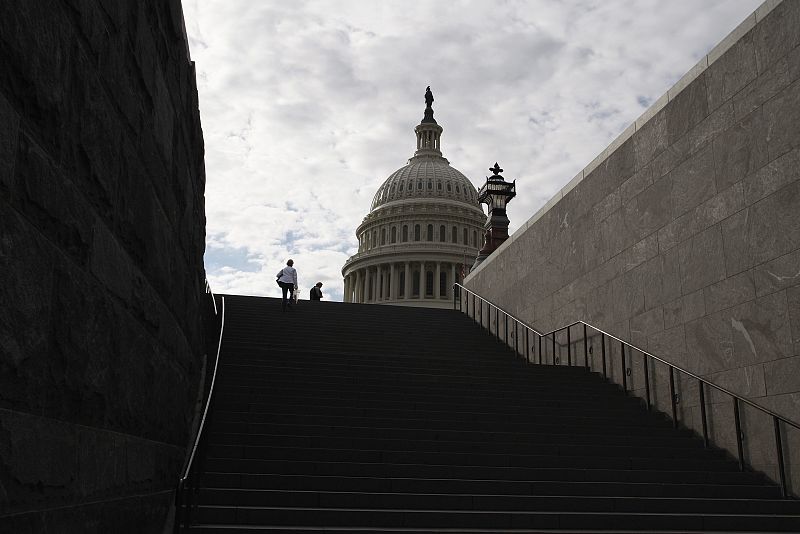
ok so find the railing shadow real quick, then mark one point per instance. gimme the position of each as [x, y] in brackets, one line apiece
[720, 417]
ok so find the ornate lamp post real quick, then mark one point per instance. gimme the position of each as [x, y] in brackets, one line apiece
[496, 193]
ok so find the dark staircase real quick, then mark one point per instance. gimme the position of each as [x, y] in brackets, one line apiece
[338, 417]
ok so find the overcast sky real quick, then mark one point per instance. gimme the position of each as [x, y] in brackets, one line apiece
[308, 106]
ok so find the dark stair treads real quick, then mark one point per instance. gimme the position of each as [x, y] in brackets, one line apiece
[543, 428]
[425, 519]
[695, 501]
[478, 460]
[625, 416]
[413, 439]
[469, 487]
[355, 418]
[250, 472]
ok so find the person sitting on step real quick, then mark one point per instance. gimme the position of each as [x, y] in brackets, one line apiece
[316, 291]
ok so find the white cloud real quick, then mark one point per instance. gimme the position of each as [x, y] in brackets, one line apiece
[308, 106]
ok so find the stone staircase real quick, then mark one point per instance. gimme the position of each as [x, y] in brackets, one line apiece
[340, 417]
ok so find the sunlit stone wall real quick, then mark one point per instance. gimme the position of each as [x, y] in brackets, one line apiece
[684, 237]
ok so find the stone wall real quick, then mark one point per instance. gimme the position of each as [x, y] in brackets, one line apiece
[101, 253]
[684, 237]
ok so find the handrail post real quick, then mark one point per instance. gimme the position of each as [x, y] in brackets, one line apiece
[603, 351]
[738, 423]
[585, 347]
[569, 347]
[779, 450]
[646, 380]
[554, 347]
[540, 348]
[527, 345]
[672, 397]
[624, 367]
[703, 418]
[516, 338]
[505, 328]
[474, 315]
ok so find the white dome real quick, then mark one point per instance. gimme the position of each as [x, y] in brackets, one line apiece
[426, 177]
[424, 223]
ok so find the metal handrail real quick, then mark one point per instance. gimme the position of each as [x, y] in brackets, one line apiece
[213, 301]
[182, 488]
[737, 399]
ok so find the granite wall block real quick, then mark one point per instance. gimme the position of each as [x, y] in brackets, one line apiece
[101, 248]
[732, 71]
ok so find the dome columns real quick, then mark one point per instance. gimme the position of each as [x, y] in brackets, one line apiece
[429, 139]
[410, 283]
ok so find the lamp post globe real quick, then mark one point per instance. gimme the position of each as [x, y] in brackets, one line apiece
[496, 193]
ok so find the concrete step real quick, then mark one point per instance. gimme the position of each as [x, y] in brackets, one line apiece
[397, 451]
[332, 435]
[250, 471]
[374, 464]
[259, 423]
[630, 498]
[426, 519]
[620, 416]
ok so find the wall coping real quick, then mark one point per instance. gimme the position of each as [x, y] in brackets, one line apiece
[728, 41]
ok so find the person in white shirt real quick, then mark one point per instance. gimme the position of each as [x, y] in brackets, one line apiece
[287, 279]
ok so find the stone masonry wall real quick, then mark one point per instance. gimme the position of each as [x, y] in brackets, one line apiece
[101, 254]
[684, 239]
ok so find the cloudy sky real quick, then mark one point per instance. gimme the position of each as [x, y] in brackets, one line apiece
[308, 106]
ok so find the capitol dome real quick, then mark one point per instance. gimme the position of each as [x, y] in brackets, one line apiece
[424, 224]
[426, 177]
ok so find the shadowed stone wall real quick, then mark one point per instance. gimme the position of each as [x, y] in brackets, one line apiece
[101, 254]
[684, 237]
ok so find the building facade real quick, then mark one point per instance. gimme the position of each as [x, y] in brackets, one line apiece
[425, 223]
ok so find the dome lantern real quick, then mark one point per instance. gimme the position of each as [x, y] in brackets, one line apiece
[428, 132]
